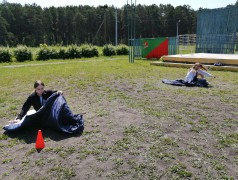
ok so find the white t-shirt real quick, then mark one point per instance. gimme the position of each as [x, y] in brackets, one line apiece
[190, 75]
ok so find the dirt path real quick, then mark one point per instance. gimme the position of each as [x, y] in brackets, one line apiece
[42, 64]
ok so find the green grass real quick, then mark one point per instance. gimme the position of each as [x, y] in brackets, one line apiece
[136, 127]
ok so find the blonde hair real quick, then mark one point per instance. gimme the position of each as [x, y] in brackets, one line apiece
[198, 65]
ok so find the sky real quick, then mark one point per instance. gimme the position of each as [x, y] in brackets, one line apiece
[194, 4]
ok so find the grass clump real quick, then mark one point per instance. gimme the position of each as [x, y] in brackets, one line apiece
[46, 53]
[73, 52]
[22, 53]
[122, 49]
[5, 55]
[89, 51]
[109, 50]
[180, 169]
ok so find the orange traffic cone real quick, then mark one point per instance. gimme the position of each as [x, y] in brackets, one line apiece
[40, 144]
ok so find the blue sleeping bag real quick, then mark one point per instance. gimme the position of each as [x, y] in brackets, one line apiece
[54, 114]
[180, 82]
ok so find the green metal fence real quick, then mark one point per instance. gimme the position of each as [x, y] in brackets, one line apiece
[173, 48]
[216, 30]
[137, 48]
[215, 43]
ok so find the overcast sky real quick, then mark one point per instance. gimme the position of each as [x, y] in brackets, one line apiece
[194, 4]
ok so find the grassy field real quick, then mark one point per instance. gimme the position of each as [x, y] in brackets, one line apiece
[136, 127]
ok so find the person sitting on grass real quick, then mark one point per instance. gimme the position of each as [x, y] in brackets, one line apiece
[196, 71]
[36, 99]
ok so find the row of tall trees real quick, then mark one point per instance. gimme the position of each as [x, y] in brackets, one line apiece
[32, 25]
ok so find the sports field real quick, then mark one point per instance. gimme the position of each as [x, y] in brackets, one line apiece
[136, 127]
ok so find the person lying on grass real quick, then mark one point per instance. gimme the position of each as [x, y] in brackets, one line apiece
[196, 71]
[36, 99]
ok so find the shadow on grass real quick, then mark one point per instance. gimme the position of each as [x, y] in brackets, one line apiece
[29, 135]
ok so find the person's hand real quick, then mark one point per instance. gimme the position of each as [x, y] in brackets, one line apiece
[15, 121]
[214, 76]
[59, 92]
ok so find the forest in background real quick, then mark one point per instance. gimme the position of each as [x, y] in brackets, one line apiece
[32, 25]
